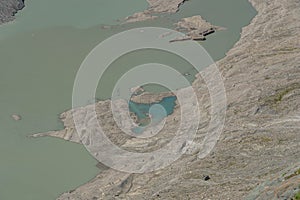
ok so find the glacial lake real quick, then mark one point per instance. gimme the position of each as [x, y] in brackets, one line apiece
[147, 114]
[40, 53]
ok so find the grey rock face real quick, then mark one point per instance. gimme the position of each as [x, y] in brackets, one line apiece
[8, 8]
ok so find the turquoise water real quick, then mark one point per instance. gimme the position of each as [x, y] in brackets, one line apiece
[141, 110]
[157, 112]
[40, 54]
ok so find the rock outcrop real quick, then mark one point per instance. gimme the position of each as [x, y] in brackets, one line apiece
[155, 7]
[16, 117]
[196, 28]
[261, 134]
[164, 6]
[8, 9]
[140, 16]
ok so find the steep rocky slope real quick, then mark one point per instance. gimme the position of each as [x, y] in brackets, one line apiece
[261, 137]
[8, 8]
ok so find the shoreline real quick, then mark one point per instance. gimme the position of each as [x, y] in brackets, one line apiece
[256, 111]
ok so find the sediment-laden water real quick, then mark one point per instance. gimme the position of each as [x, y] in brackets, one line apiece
[40, 53]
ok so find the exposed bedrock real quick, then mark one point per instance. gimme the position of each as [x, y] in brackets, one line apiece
[156, 7]
[8, 9]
